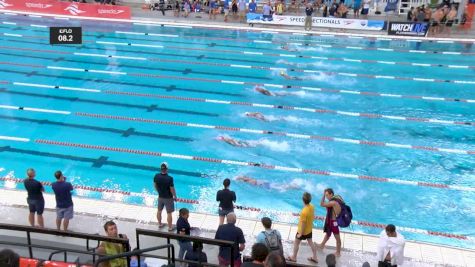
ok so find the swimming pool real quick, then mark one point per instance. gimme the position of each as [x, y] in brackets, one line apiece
[388, 124]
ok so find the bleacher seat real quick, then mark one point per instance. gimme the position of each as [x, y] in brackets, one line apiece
[27, 262]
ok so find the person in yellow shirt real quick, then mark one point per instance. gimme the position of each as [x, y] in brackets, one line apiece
[304, 230]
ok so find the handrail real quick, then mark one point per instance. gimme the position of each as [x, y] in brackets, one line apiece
[168, 236]
[45, 231]
[136, 252]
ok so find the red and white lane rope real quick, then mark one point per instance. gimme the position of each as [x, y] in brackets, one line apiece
[254, 209]
[268, 132]
[234, 129]
[321, 111]
[317, 44]
[315, 89]
[255, 164]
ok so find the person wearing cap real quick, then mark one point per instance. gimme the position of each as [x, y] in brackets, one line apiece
[64, 202]
[166, 195]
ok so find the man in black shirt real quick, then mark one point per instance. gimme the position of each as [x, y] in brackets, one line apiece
[35, 200]
[230, 232]
[226, 198]
[308, 18]
[166, 195]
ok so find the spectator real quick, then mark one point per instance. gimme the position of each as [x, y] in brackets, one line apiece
[35, 200]
[365, 11]
[308, 18]
[259, 254]
[342, 11]
[356, 8]
[304, 230]
[226, 199]
[226, 10]
[64, 202]
[451, 16]
[213, 9]
[186, 10]
[428, 14]
[390, 247]
[252, 6]
[183, 228]
[271, 238]
[8, 258]
[166, 193]
[330, 260]
[242, 10]
[177, 9]
[266, 11]
[230, 232]
[234, 8]
[333, 9]
[274, 259]
[331, 225]
[325, 11]
[196, 254]
[420, 14]
[110, 248]
[279, 8]
[410, 14]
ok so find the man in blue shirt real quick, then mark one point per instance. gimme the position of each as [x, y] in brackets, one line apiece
[64, 202]
[35, 200]
[166, 195]
[252, 6]
[230, 232]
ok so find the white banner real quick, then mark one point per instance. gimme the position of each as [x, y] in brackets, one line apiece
[355, 24]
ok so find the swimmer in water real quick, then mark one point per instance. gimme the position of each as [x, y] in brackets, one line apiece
[263, 91]
[256, 115]
[288, 77]
[267, 185]
[287, 47]
[234, 142]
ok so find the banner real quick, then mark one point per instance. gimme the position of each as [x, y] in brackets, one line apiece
[408, 28]
[354, 24]
[67, 8]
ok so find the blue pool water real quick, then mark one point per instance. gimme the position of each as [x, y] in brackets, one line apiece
[192, 63]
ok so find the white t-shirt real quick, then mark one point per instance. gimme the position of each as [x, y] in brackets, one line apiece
[366, 3]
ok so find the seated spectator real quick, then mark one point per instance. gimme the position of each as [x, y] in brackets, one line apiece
[390, 247]
[109, 248]
[342, 11]
[232, 233]
[275, 260]
[266, 11]
[196, 254]
[269, 237]
[8, 258]
[330, 260]
[279, 8]
[259, 254]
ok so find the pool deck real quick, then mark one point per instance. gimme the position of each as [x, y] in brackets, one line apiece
[90, 214]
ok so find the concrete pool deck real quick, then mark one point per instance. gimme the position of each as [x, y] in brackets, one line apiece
[90, 214]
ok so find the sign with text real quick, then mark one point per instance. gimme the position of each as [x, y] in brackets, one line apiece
[408, 28]
[356, 24]
[65, 35]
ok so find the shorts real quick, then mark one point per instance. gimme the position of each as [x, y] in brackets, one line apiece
[36, 205]
[168, 203]
[304, 237]
[223, 212]
[333, 228]
[449, 23]
[434, 24]
[364, 11]
[227, 262]
[65, 213]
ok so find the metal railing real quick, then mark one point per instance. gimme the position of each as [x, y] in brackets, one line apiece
[52, 232]
[136, 252]
[169, 236]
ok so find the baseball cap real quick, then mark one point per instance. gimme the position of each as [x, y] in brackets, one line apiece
[164, 165]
